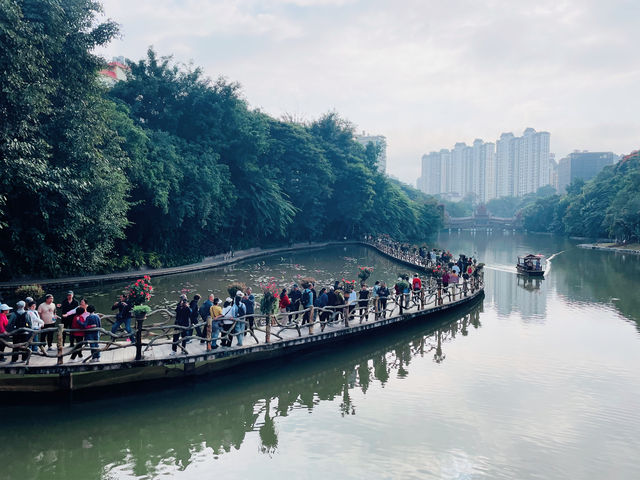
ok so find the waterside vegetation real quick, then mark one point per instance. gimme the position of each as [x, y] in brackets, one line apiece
[168, 166]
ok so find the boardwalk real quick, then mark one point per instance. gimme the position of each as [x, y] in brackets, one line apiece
[157, 332]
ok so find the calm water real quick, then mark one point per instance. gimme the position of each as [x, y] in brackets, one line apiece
[538, 381]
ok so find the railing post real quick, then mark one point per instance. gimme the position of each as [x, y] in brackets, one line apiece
[139, 322]
[267, 335]
[311, 320]
[209, 328]
[60, 342]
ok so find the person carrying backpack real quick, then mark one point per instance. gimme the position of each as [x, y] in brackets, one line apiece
[238, 311]
[19, 321]
[92, 321]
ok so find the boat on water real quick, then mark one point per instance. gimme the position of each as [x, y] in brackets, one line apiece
[532, 265]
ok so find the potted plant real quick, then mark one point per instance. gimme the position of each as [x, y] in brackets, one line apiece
[141, 311]
[364, 273]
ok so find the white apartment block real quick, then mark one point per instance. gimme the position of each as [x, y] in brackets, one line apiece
[379, 141]
[513, 166]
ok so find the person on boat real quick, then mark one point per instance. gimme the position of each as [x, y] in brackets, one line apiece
[123, 317]
[239, 311]
[93, 337]
[36, 324]
[216, 321]
[538, 265]
[4, 324]
[77, 338]
[47, 311]
[363, 303]
[183, 314]
[227, 322]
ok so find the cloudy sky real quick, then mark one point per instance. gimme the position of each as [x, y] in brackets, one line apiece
[425, 74]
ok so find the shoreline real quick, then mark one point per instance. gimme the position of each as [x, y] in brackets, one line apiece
[220, 260]
[609, 248]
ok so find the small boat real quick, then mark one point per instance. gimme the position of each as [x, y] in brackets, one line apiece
[532, 265]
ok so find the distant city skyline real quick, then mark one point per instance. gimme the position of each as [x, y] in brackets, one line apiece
[424, 74]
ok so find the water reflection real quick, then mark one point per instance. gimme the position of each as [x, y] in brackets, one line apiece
[145, 435]
[581, 276]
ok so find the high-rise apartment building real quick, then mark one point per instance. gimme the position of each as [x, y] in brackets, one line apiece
[378, 141]
[513, 166]
[584, 165]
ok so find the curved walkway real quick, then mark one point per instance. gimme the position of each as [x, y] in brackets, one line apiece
[209, 262]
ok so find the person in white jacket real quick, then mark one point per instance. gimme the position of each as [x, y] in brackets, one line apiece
[36, 323]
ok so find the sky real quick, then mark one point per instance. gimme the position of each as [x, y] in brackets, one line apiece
[425, 74]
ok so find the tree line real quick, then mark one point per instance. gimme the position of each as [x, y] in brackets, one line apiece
[168, 166]
[608, 206]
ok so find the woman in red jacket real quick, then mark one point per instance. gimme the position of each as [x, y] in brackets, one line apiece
[77, 338]
[284, 301]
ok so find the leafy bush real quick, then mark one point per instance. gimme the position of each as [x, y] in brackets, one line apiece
[233, 288]
[141, 310]
[33, 291]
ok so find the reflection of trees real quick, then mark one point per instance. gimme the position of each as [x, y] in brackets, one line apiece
[147, 433]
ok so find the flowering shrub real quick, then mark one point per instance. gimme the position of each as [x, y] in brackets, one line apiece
[365, 273]
[348, 286]
[140, 291]
[34, 291]
[270, 296]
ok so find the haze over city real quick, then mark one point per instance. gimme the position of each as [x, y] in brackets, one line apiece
[424, 74]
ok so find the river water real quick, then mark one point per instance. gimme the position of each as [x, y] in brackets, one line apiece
[538, 381]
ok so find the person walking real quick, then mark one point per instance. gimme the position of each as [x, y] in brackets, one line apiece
[19, 321]
[47, 312]
[77, 337]
[227, 322]
[92, 336]
[193, 316]
[205, 313]
[36, 324]
[295, 295]
[249, 301]
[67, 304]
[4, 325]
[363, 296]
[383, 293]
[216, 321]
[238, 312]
[123, 317]
[284, 302]
[183, 314]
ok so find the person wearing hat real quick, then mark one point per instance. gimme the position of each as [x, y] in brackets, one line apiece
[239, 310]
[4, 324]
[227, 322]
[19, 321]
[47, 312]
[65, 307]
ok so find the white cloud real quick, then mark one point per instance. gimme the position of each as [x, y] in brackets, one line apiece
[424, 73]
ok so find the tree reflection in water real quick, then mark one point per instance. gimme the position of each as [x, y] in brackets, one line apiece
[147, 434]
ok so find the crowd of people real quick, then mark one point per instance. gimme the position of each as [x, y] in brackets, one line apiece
[79, 320]
[232, 317]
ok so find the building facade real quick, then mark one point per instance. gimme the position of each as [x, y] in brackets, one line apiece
[380, 142]
[584, 165]
[513, 166]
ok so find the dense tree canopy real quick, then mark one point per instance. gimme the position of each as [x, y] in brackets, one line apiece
[607, 206]
[166, 167]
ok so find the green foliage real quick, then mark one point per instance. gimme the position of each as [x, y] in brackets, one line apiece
[141, 310]
[167, 166]
[233, 288]
[34, 291]
[606, 206]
